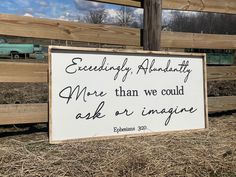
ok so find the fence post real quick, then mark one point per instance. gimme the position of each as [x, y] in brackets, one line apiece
[152, 24]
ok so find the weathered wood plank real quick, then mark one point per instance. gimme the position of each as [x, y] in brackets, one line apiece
[13, 25]
[225, 6]
[38, 113]
[216, 73]
[197, 40]
[132, 3]
[38, 72]
[220, 6]
[23, 113]
[23, 72]
[219, 104]
[152, 25]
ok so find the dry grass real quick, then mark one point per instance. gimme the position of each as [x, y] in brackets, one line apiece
[11, 93]
[19, 93]
[209, 153]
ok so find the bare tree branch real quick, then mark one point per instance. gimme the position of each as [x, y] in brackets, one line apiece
[125, 16]
[96, 16]
[210, 23]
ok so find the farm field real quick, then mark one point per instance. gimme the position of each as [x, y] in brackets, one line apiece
[25, 151]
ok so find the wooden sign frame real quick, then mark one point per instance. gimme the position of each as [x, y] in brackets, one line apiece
[130, 52]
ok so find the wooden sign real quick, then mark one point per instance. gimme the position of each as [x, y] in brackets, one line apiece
[102, 93]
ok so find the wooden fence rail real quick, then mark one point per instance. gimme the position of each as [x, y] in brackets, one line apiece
[23, 72]
[220, 6]
[13, 25]
[38, 72]
[38, 113]
[23, 113]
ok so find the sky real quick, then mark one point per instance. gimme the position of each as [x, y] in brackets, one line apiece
[69, 10]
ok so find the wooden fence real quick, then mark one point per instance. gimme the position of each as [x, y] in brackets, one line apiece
[12, 25]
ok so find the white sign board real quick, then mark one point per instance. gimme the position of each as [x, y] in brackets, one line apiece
[102, 93]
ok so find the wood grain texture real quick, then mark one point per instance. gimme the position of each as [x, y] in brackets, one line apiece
[38, 113]
[219, 104]
[23, 113]
[216, 73]
[132, 3]
[23, 72]
[152, 25]
[13, 25]
[197, 40]
[38, 72]
[220, 6]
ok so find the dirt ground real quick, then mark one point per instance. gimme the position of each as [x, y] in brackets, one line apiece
[19, 93]
[201, 154]
[16, 93]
